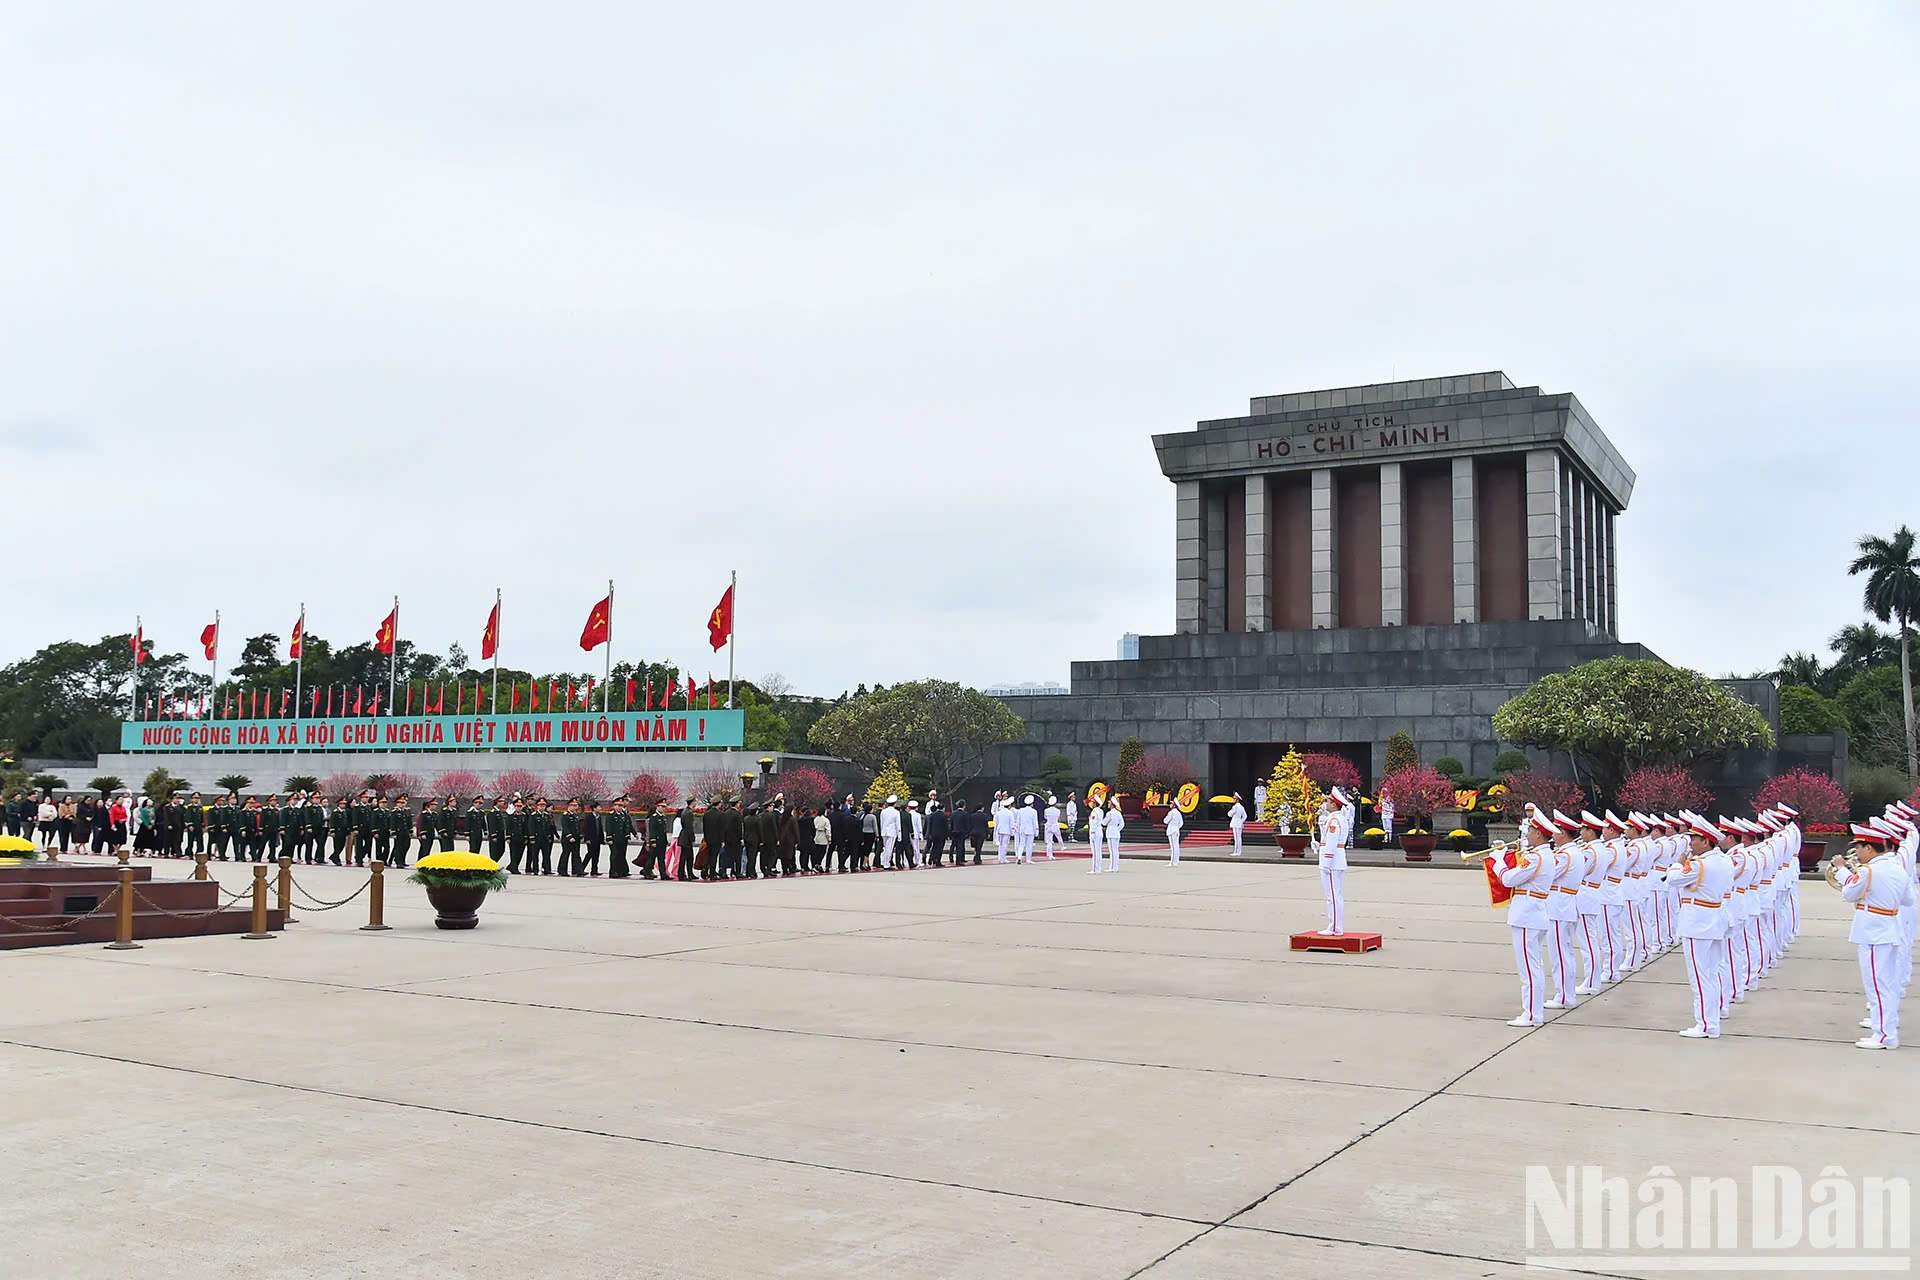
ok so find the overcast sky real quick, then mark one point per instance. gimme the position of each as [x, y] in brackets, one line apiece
[881, 303]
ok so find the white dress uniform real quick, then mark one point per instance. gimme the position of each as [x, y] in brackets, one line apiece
[1530, 878]
[1096, 832]
[1563, 919]
[1703, 883]
[1027, 830]
[1073, 818]
[1902, 818]
[1590, 901]
[1173, 822]
[1332, 827]
[1237, 823]
[1116, 825]
[919, 837]
[1878, 892]
[889, 830]
[1002, 828]
[1052, 826]
[1608, 857]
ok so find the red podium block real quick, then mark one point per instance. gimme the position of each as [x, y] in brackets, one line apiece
[1351, 943]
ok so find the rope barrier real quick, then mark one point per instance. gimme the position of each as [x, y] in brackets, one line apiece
[320, 904]
[47, 926]
[192, 915]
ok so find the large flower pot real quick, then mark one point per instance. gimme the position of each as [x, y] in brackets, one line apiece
[1129, 806]
[1811, 851]
[1154, 813]
[1293, 844]
[1418, 848]
[456, 906]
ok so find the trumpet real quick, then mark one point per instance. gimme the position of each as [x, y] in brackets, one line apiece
[1491, 851]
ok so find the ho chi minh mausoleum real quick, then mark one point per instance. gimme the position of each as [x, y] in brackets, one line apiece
[1356, 561]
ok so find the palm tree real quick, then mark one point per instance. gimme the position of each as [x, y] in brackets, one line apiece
[1860, 646]
[1893, 592]
[1800, 668]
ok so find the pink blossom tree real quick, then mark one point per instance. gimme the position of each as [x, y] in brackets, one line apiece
[341, 787]
[805, 786]
[1165, 770]
[1661, 788]
[1329, 770]
[1815, 796]
[395, 784]
[462, 784]
[647, 788]
[1416, 792]
[523, 782]
[1546, 791]
[715, 784]
[587, 784]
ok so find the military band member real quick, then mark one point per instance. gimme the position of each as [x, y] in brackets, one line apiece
[1703, 880]
[1566, 866]
[1527, 914]
[1879, 887]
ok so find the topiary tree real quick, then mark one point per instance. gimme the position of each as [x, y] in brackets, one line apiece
[1292, 796]
[1665, 788]
[891, 781]
[1805, 710]
[1400, 754]
[1449, 765]
[1416, 793]
[1617, 714]
[1545, 791]
[233, 783]
[1057, 770]
[106, 785]
[1510, 762]
[299, 782]
[1815, 796]
[1329, 770]
[48, 782]
[1126, 774]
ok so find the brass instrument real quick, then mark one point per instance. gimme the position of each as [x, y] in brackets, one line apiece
[1491, 851]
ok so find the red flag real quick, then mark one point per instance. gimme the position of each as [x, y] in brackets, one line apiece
[256, 704]
[586, 699]
[210, 640]
[460, 698]
[514, 702]
[316, 703]
[359, 698]
[690, 691]
[599, 624]
[329, 702]
[376, 693]
[374, 710]
[139, 640]
[440, 702]
[630, 692]
[720, 622]
[228, 713]
[649, 703]
[569, 695]
[709, 691]
[490, 638]
[383, 638]
[533, 694]
[553, 694]
[299, 638]
[286, 696]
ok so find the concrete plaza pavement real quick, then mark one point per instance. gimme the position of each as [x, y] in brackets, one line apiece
[984, 1072]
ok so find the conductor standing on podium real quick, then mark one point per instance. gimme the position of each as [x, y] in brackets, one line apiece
[1333, 826]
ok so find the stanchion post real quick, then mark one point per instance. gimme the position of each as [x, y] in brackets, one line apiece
[199, 866]
[123, 920]
[259, 904]
[124, 855]
[286, 888]
[376, 898]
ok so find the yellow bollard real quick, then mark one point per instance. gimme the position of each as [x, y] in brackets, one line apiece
[199, 866]
[123, 934]
[286, 888]
[259, 903]
[376, 898]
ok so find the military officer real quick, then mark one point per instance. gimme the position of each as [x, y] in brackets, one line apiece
[476, 824]
[569, 826]
[618, 825]
[497, 830]
[1333, 828]
[340, 826]
[540, 837]
[1703, 880]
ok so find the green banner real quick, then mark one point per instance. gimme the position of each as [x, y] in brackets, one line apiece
[578, 731]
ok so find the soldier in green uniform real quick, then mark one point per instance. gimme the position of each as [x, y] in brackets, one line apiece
[217, 829]
[366, 830]
[429, 825]
[476, 824]
[316, 829]
[618, 827]
[540, 839]
[570, 839]
[402, 828]
[659, 832]
[270, 824]
[340, 824]
[196, 824]
[519, 829]
[497, 830]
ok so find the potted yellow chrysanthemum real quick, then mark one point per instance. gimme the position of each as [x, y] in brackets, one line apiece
[457, 883]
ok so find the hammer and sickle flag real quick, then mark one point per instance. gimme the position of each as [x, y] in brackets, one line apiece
[383, 638]
[720, 622]
[594, 634]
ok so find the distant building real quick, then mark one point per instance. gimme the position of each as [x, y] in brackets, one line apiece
[1128, 650]
[1051, 689]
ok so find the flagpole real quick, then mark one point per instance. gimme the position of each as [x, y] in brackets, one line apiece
[133, 700]
[393, 659]
[496, 650]
[733, 625]
[607, 678]
[299, 666]
[216, 663]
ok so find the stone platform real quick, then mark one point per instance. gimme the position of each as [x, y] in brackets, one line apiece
[45, 904]
[985, 1072]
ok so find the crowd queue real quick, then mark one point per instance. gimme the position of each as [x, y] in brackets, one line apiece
[726, 840]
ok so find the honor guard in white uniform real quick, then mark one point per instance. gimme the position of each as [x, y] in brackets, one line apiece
[889, 830]
[1237, 822]
[1565, 864]
[919, 833]
[1002, 825]
[1073, 818]
[1173, 822]
[1589, 901]
[1096, 832]
[1116, 826]
[1029, 828]
[1878, 886]
[1528, 914]
[1052, 825]
[1903, 819]
[1607, 860]
[1702, 880]
[1333, 826]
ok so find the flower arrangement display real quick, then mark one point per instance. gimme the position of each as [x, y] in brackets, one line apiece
[17, 849]
[1187, 799]
[458, 870]
[1372, 838]
[1417, 792]
[1815, 796]
[1459, 840]
[1291, 795]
